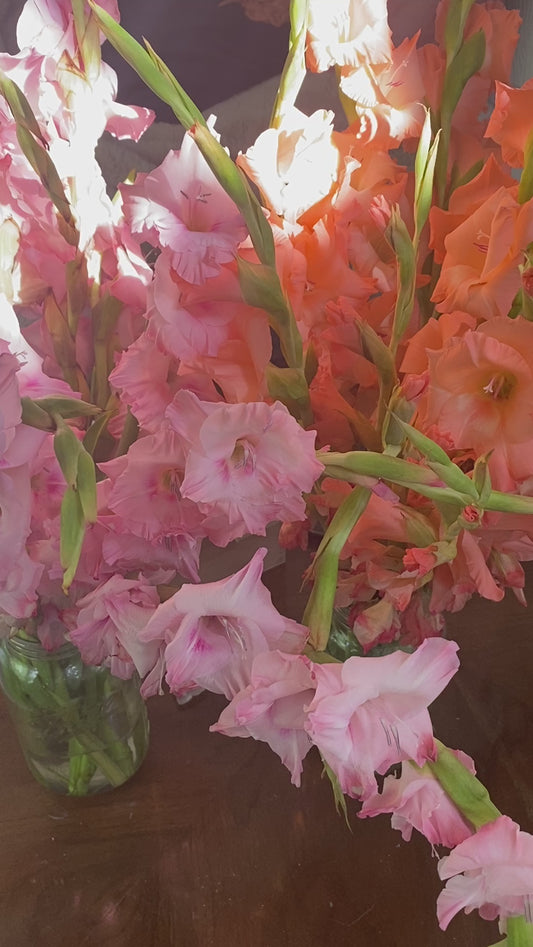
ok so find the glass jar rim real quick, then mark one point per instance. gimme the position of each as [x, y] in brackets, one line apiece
[31, 647]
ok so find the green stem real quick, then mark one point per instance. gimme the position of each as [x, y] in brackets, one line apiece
[319, 610]
[41, 689]
[519, 932]
[294, 69]
[468, 794]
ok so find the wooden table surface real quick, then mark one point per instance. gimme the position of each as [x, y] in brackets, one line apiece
[210, 846]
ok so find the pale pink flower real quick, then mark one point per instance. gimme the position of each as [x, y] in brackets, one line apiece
[123, 550]
[48, 25]
[272, 708]
[147, 378]
[491, 871]
[211, 330]
[10, 407]
[295, 165]
[180, 205]
[19, 575]
[346, 32]
[417, 800]
[370, 713]
[213, 631]
[246, 464]
[108, 625]
[146, 488]
[20, 374]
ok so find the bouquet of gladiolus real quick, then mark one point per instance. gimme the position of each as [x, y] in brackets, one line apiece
[388, 268]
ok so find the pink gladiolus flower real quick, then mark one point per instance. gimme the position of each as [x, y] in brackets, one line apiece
[48, 25]
[147, 378]
[181, 205]
[370, 713]
[211, 330]
[19, 575]
[272, 708]
[247, 464]
[491, 871]
[108, 624]
[346, 32]
[146, 488]
[10, 409]
[213, 631]
[417, 800]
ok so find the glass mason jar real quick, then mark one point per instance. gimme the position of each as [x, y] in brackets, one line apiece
[342, 643]
[81, 729]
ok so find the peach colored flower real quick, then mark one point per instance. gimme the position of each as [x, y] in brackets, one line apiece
[480, 269]
[464, 201]
[433, 336]
[510, 121]
[501, 28]
[480, 388]
[387, 97]
[346, 32]
[296, 165]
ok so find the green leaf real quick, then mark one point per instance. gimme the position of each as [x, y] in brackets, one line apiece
[86, 486]
[154, 73]
[77, 290]
[319, 609]
[424, 182]
[481, 478]
[236, 185]
[467, 793]
[439, 461]
[72, 531]
[260, 287]
[88, 39]
[294, 70]
[67, 407]
[34, 415]
[62, 340]
[20, 108]
[519, 932]
[34, 147]
[289, 386]
[458, 11]
[404, 249]
[338, 795]
[97, 428]
[468, 60]
[375, 350]
[67, 449]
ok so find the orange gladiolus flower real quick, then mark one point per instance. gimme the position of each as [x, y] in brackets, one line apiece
[510, 122]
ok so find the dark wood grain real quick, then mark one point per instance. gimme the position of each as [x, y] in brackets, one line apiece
[210, 845]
